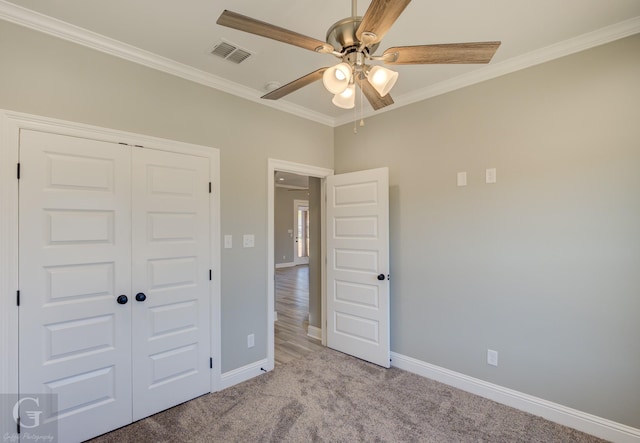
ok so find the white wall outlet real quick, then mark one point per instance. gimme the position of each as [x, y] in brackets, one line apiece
[491, 175]
[251, 341]
[228, 241]
[462, 179]
[492, 357]
[248, 241]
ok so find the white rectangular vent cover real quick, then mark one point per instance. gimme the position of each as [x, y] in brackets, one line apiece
[230, 52]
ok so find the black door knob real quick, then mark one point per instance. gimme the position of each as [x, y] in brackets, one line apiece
[122, 299]
[381, 277]
[140, 296]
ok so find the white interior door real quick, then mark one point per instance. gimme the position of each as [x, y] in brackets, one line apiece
[83, 333]
[75, 224]
[358, 264]
[301, 228]
[170, 296]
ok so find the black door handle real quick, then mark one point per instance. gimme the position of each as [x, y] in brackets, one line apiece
[381, 277]
[122, 299]
[140, 296]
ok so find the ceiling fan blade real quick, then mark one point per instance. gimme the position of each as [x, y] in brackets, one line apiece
[379, 18]
[247, 24]
[463, 53]
[295, 85]
[372, 95]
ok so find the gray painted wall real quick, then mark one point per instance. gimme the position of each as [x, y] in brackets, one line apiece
[542, 266]
[46, 76]
[315, 252]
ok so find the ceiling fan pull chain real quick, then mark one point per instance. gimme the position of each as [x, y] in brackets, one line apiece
[361, 108]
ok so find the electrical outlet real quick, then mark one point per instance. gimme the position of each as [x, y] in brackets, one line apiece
[251, 341]
[492, 357]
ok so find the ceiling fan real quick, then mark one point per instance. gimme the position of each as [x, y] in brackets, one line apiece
[354, 41]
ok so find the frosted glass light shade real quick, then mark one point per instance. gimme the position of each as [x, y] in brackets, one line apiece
[336, 78]
[382, 79]
[347, 98]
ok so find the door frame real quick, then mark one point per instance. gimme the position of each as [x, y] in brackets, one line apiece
[297, 203]
[10, 125]
[274, 165]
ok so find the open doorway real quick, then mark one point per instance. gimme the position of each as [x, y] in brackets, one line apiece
[275, 261]
[297, 329]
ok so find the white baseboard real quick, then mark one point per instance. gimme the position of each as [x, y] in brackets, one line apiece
[314, 332]
[285, 265]
[582, 421]
[244, 373]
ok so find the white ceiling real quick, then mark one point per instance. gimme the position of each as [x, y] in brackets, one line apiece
[177, 37]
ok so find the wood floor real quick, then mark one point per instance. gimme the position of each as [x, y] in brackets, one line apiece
[292, 306]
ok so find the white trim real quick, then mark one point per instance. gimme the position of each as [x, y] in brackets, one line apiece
[8, 267]
[582, 421]
[493, 70]
[57, 28]
[274, 165]
[10, 125]
[285, 265]
[314, 332]
[75, 34]
[243, 373]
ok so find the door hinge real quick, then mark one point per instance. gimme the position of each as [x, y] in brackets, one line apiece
[210, 362]
[18, 171]
[210, 275]
[209, 187]
[18, 298]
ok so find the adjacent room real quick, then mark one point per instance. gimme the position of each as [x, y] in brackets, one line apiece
[320, 221]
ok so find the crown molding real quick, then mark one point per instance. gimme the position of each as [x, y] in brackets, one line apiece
[57, 28]
[75, 34]
[580, 43]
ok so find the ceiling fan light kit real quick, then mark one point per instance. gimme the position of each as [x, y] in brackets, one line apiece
[347, 98]
[354, 40]
[336, 78]
[382, 79]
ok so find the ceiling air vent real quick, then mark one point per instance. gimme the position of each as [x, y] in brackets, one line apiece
[230, 52]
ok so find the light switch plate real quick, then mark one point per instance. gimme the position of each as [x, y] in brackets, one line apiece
[248, 241]
[462, 179]
[491, 175]
[228, 241]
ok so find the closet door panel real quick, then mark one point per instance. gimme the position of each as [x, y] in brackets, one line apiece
[75, 243]
[171, 329]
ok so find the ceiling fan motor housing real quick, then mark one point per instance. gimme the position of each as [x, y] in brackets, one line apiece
[342, 36]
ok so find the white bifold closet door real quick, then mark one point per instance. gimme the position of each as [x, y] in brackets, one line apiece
[114, 280]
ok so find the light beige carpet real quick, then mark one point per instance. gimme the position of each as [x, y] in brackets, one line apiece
[331, 397]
